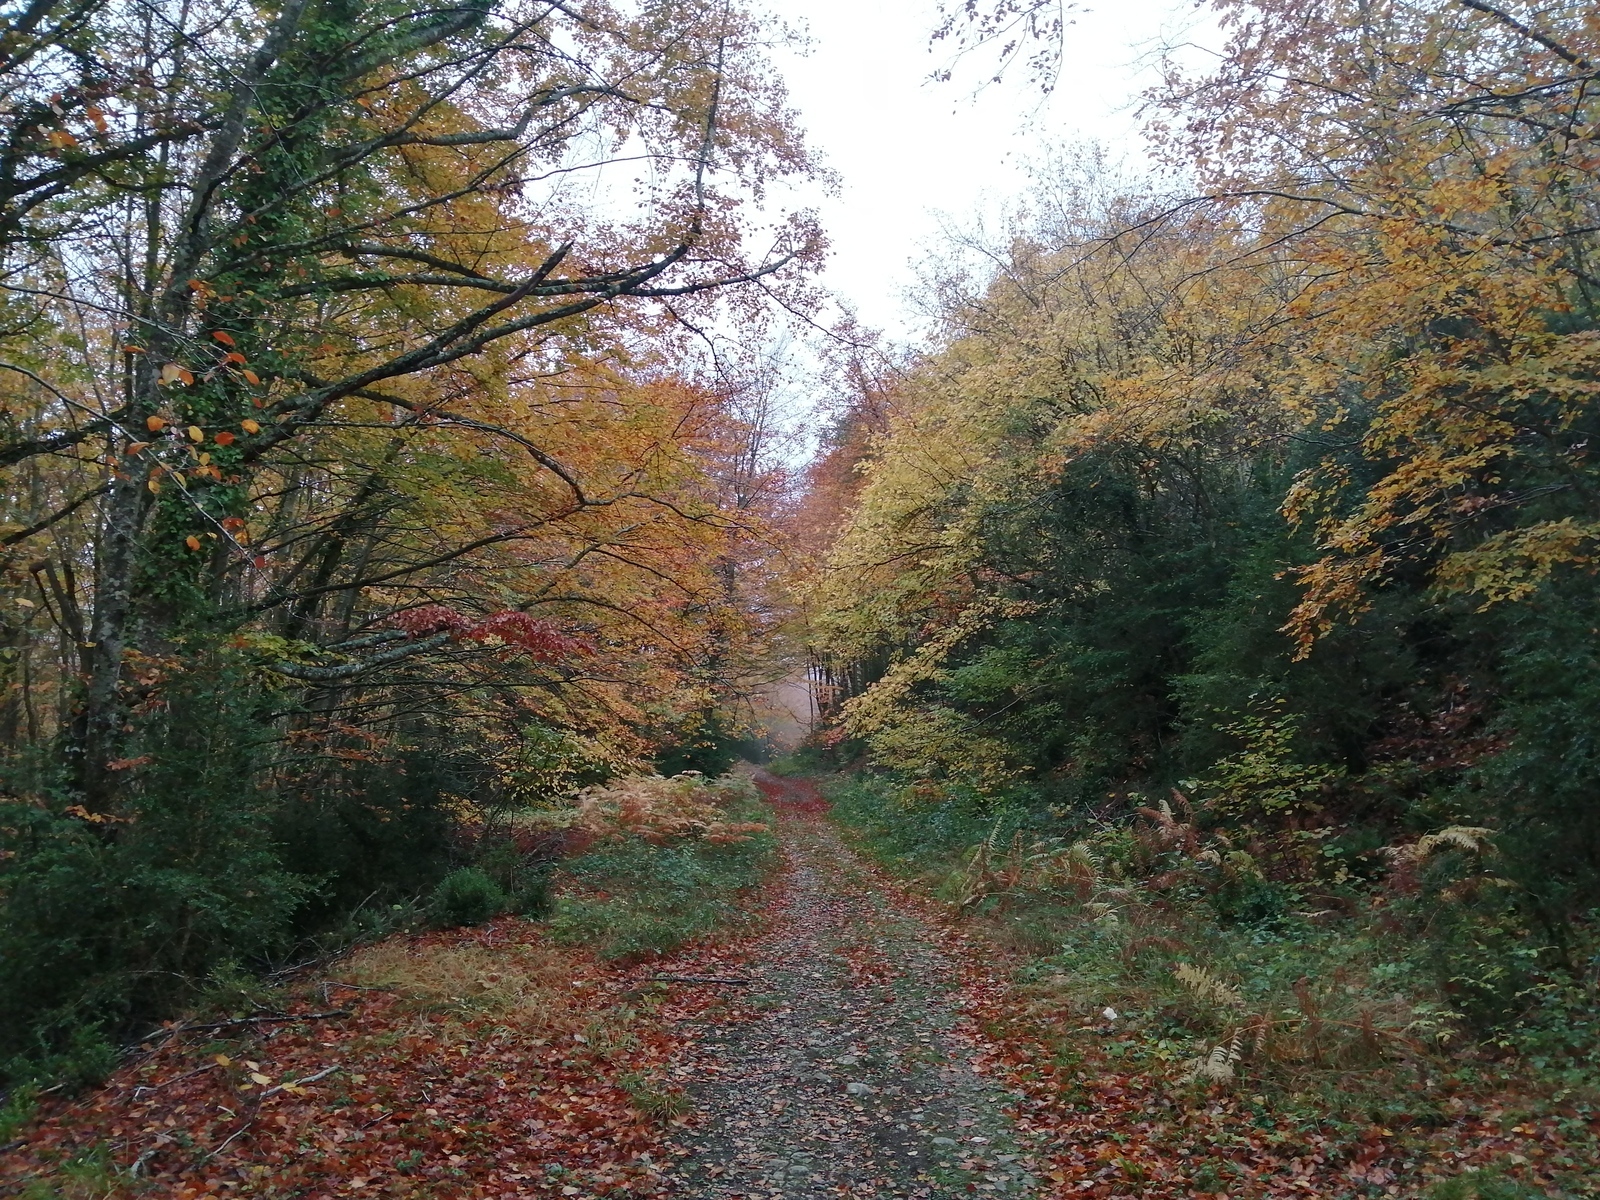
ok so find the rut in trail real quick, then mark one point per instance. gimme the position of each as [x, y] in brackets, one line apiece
[841, 1070]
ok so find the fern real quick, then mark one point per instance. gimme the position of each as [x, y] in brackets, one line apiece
[1217, 1066]
[1208, 987]
[1471, 838]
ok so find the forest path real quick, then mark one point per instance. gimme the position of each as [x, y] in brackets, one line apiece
[842, 1070]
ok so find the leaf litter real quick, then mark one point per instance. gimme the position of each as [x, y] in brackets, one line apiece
[829, 1055]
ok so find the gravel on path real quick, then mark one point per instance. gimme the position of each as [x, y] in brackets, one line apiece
[842, 1070]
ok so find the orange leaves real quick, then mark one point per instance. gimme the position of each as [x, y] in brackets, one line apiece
[457, 1097]
[1437, 293]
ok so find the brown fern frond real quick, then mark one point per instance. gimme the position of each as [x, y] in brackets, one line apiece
[1207, 986]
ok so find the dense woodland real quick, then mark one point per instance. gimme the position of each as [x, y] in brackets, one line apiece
[1219, 574]
[365, 469]
[1232, 550]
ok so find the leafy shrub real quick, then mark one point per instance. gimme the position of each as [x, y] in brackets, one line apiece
[109, 920]
[466, 897]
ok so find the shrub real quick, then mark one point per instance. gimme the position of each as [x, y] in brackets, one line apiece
[669, 862]
[107, 921]
[466, 897]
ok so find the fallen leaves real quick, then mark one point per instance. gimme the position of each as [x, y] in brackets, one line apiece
[459, 1064]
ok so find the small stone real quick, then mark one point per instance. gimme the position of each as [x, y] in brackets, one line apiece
[944, 1141]
[858, 1089]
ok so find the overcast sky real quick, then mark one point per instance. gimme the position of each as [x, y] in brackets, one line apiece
[910, 153]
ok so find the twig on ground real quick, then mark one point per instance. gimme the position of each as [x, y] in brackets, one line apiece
[700, 979]
[152, 1087]
[225, 1142]
[321, 1016]
[301, 1082]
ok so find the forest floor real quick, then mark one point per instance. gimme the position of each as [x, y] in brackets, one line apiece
[860, 1043]
[489, 1062]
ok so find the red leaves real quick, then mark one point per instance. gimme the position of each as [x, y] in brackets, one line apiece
[442, 1100]
[538, 638]
[430, 619]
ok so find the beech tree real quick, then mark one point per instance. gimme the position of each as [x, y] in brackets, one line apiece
[260, 259]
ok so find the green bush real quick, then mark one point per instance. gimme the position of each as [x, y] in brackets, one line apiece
[107, 924]
[466, 897]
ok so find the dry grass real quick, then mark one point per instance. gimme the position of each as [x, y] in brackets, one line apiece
[529, 985]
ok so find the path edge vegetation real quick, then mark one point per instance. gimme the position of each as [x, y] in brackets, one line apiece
[661, 877]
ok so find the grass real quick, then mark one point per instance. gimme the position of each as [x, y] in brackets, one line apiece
[530, 985]
[1321, 1026]
[629, 898]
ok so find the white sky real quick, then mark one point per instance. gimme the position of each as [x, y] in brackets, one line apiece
[911, 153]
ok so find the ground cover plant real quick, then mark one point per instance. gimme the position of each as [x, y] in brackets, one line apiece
[1187, 1036]
[670, 860]
[487, 1053]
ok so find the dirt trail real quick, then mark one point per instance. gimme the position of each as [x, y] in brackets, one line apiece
[842, 1070]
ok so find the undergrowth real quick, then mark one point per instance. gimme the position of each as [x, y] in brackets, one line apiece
[1146, 948]
[669, 863]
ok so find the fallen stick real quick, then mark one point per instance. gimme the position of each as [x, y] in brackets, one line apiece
[151, 1087]
[226, 1142]
[700, 979]
[321, 1016]
[322, 1074]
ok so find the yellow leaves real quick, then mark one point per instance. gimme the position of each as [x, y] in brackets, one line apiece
[1510, 566]
[196, 434]
[192, 542]
[250, 426]
[176, 373]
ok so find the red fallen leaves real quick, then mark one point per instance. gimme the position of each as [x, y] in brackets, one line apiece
[1111, 1131]
[390, 1100]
